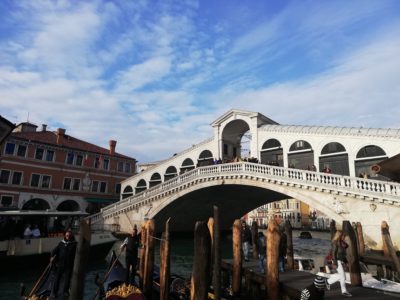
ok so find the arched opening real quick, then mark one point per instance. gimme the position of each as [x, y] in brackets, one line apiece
[301, 155]
[187, 165]
[68, 205]
[155, 179]
[141, 186]
[272, 153]
[36, 204]
[236, 140]
[334, 156]
[170, 173]
[127, 192]
[367, 157]
[205, 158]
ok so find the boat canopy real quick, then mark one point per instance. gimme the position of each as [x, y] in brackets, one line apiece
[49, 213]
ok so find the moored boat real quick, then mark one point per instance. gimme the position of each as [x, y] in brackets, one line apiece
[15, 248]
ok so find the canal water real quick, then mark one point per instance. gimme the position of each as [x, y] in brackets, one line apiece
[181, 262]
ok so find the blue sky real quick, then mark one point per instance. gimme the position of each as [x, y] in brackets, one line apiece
[153, 75]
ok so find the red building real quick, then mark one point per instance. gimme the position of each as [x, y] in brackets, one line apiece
[52, 170]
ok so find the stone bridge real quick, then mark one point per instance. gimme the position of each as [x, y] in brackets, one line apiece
[187, 185]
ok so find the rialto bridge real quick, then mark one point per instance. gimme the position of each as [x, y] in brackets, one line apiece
[282, 162]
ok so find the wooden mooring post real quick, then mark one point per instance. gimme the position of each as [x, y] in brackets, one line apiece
[217, 256]
[254, 239]
[237, 257]
[290, 253]
[142, 253]
[387, 246]
[149, 259]
[201, 262]
[165, 263]
[272, 274]
[360, 237]
[352, 254]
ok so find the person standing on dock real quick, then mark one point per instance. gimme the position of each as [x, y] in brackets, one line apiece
[131, 245]
[63, 255]
[262, 246]
[246, 240]
[339, 247]
[315, 291]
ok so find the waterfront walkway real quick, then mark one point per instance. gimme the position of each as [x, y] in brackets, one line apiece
[293, 281]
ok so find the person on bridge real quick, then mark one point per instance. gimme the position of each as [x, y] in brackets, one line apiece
[131, 245]
[246, 240]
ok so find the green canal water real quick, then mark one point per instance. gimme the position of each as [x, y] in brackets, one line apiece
[181, 263]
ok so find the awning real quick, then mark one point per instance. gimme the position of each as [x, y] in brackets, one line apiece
[389, 168]
[100, 200]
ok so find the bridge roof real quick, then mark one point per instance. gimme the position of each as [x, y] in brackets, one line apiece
[334, 130]
[234, 112]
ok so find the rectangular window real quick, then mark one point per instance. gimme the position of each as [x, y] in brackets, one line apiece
[79, 160]
[46, 181]
[95, 186]
[39, 153]
[103, 187]
[76, 184]
[6, 201]
[49, 155]
[70, 158]
[67, 183]
[127, 168]
[106, 164]
[21, 150]
[35, 180]
[10, 147]
[4, 176]
[17, 178]
[118, 188]
[120, 166]
[97, 162]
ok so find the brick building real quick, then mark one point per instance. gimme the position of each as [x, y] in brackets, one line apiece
[41, 169]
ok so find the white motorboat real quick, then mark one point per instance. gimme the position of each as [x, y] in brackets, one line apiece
[14, 246]
[369, 281]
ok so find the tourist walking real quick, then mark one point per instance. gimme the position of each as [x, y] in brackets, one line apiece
[131, 245]
[262, 248]
[339, 247]
[246, 240]
[63, 256]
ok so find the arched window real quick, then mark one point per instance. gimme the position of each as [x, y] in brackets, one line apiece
[205, 158]
[333, 148]
[334, 157]
[36, 204]
[68, 205]
[187, 165]
[141, 186]
[300, 145]
[272, 153]
[370, 151]
[367, 157]
[171, 172]
[302, 156]
[128, 191]
[155, 179]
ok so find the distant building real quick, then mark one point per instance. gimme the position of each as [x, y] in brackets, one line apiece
[298, 213]
[52, 170]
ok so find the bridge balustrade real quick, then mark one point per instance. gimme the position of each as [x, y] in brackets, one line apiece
[354, 185]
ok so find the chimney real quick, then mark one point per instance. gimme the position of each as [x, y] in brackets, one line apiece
[112, 144]
[60, 134]
[44, 127]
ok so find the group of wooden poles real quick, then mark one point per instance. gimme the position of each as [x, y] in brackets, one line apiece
[207, 270]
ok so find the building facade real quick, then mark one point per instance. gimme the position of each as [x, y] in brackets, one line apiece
[41, 169]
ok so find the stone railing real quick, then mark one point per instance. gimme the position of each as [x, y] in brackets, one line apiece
[383, 191]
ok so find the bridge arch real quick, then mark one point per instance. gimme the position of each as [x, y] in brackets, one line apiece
[300, 155]
[272, 153]
[187, 165]
[334, 156]
[206, 158]
[155, 179]
[127, 192]
[170, 173]
[141, 186]
[366, 157]
[232, 135]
